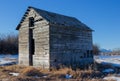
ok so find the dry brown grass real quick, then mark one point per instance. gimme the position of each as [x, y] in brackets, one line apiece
[31, 71]
[14, 68]
[27, 74]
[62, 71]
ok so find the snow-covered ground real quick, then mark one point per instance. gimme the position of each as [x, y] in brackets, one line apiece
[8, 59]
[113, 61]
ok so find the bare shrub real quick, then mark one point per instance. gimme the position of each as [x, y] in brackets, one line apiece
[96, 49]
[8, 43]
[116, 51]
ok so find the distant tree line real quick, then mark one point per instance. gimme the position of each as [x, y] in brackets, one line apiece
[115, 51]
[96, 49]
[8, 43]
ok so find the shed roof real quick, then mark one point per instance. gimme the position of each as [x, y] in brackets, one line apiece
[54, 18]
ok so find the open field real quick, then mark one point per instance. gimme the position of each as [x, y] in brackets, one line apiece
[22, 73]
[9, 71]
[110, 64]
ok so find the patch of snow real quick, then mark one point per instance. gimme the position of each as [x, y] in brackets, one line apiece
[108, 70]
[112, 78]
[68, 76]
[6, 60]
[36, 76]
[14, 74]
[113, 60]
[44, 76]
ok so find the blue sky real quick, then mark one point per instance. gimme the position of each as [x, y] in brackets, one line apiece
[103, 16]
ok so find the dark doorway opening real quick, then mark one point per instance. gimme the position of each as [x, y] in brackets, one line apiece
[31, 22]
[31, 46]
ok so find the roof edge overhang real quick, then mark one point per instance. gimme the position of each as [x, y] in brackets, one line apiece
[28, 9]
[55, 24]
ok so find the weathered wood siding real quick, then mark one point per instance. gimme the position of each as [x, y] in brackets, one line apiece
[41, 35]
[41, 38]
[23, 46]
[69, 46]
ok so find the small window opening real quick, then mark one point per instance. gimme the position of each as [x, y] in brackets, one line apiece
[55, 60]
[81, 56]
[91, 51]
[85, 55]
[88, 53]
[31, 22]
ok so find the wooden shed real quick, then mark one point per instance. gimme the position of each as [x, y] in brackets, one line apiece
[48, 39]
